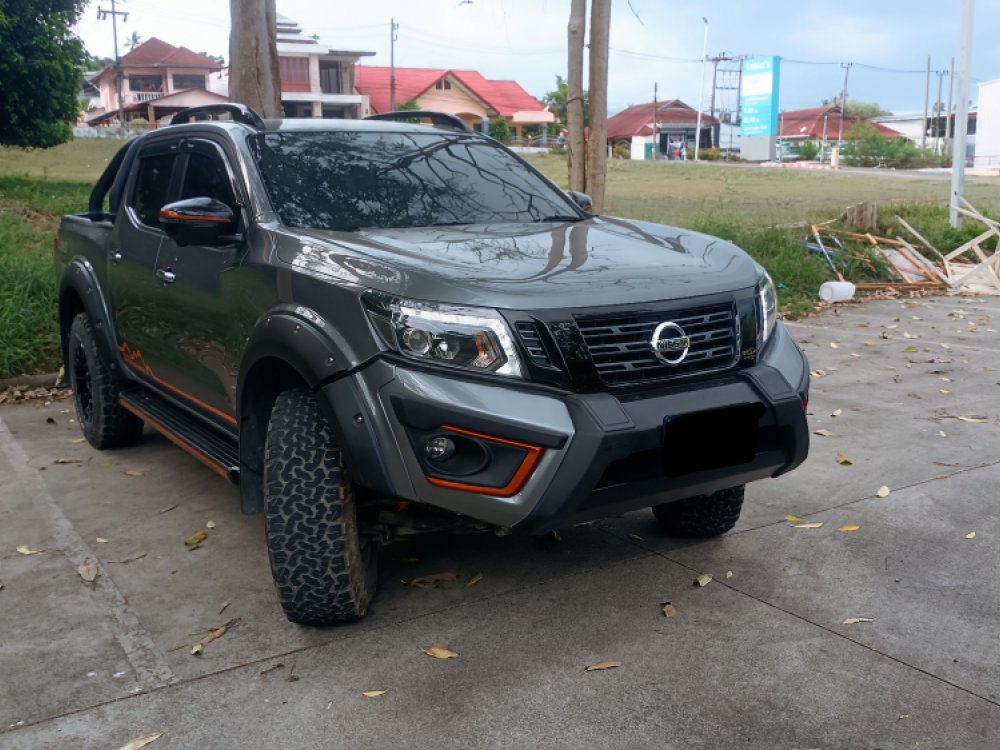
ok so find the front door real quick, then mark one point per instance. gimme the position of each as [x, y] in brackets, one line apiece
[198, 304]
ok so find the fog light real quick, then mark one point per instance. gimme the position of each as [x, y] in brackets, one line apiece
[439, 448]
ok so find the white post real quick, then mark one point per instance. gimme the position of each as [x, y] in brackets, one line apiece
[961, 114]
[701, 90]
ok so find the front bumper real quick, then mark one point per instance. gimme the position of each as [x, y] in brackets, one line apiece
[598, 454]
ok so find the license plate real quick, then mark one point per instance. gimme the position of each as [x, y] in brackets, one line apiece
[711, 439]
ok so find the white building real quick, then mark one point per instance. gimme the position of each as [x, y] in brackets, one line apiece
[911, 124]
[988, 129]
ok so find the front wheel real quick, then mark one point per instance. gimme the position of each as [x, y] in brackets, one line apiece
[702, 516]
[324, 570]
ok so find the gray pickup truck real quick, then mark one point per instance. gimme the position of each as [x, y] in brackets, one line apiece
[380, 327]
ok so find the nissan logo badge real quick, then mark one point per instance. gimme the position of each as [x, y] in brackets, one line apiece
[669, 340]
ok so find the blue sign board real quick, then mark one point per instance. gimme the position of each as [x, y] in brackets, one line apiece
[759, 97]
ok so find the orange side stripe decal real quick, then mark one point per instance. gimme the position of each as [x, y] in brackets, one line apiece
[181, 443]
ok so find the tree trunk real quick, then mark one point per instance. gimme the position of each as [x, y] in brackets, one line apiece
[597, 147]
[254, 78]
[575, 145]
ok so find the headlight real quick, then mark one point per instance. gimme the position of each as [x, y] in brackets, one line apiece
[768, 307]
[473, 338]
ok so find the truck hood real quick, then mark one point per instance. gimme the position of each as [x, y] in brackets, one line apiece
[596, 261]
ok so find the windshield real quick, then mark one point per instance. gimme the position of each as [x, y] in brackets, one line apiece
[353, 180]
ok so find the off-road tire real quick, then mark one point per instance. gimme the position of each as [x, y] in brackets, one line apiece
[324, 571]
[104, 421]
[702, 516]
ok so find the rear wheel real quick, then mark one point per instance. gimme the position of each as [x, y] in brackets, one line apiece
[324, 570]
[703, 515]
[104, 421]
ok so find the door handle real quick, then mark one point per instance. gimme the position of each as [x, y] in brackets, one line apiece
[166, 275]
[117, 257]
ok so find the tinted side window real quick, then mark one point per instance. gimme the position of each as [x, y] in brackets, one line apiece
[151, 188]
[207, 176]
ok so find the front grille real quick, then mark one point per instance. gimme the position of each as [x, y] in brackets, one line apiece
[619, 343]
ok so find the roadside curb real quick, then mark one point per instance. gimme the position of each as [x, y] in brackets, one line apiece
[47, 380]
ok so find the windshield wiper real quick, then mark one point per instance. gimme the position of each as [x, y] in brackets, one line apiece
[558, 217]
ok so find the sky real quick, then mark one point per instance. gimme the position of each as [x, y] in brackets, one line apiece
[653, 42]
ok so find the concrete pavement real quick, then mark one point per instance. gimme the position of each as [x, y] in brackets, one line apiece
[758, 659]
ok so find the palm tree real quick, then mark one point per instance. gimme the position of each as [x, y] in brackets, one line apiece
[133, 41]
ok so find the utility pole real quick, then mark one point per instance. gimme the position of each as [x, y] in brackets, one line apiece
[961, 114]
[843, 104]
[701, 90]
[393, 28]
[822, 148]
[938, 106]
[949, 128]
[575, 143]
[102, 15]
[927, 96]
[656, 137]
[597, 148]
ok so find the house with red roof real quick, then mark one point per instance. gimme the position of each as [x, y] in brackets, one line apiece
[157, 79]
[464, 93]
[824, 124]
[668, 124]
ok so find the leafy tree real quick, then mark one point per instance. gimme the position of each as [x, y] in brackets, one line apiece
[94, 63]
[808, 150]
[218, 58]
[499, 129]
[556, 101]
[865, 147]
[133, 41]
[865, 110]
[408, 105]
[39, 71]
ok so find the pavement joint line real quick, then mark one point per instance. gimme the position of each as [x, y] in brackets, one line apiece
[840, 635]
[140, 649]
[843, 333]
[848, 503]
[644, 553]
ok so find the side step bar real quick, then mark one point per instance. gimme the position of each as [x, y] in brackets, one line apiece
[219, 452]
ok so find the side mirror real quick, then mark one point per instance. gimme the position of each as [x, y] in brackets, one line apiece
[582, 200]
[197, 221]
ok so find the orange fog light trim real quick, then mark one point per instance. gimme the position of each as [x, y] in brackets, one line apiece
[534, 455]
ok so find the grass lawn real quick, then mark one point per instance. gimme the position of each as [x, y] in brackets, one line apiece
[741, 203]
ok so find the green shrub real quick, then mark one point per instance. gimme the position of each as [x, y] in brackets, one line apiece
[499, 129]
[807, 150]
[709, 154]
[620, 151]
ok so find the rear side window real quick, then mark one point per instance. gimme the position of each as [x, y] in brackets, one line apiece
[151, 186]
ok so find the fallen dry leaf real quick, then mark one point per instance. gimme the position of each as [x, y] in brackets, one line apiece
[943, 379]
[836, 412]
[883, 491]
[474, 580]
[602, 665]
[911, 349]
[823, 433]
[101, 540]
[215, 633]
[78, 440]
[636, 538]
[210, 524]
[133, 473]
[668, 609]
[729, 574]
[971, 535]
[88, 571]
[197, 649]
[224, 605]
[942, 433]
[849, 527]
[807, 525]
[24, 549]
[168, 508]
[439, 651]
[141, 741]
[198, 538]
[792, 519]
[974, 420]
[374, 693]
[434, 580]
[843, 460]
[856, 620]
[834, 345]
[703, 580]
[68, 461]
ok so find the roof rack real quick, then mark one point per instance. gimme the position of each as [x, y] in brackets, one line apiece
[438, 119]
[237, 112]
